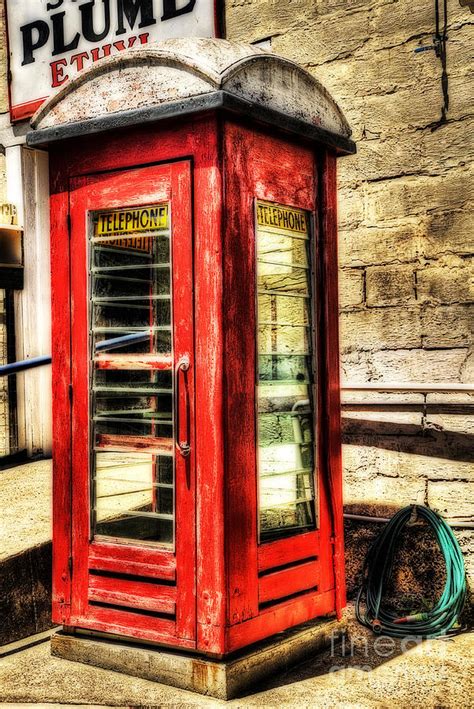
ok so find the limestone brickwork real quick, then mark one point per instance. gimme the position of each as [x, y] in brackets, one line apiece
[406, 228]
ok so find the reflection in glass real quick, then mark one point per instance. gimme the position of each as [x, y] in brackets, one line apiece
[132, 460]
[131, 499]
[285, 373]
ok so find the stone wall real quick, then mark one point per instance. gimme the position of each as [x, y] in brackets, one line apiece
[406, 227]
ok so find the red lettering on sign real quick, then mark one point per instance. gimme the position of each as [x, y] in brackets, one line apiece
[95, 53]
[57, 73]
[79, 61]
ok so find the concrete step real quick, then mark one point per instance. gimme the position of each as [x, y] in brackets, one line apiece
[25, 551]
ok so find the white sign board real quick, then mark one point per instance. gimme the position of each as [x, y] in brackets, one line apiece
[50, 41]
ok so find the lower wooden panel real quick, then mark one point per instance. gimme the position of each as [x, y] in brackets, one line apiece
[137, 561]
[287, 551]
[134, 594]
[288, 581]
[127, 567]
[132, 625]
[279, 618]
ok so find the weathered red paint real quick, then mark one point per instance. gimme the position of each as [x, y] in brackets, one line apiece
[132, 362]
[221, 589]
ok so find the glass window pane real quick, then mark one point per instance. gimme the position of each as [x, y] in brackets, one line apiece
[285, 395]
[284, 309]
[129, 498]
[132, 464]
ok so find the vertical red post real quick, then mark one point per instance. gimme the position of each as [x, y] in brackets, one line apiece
[328, 239]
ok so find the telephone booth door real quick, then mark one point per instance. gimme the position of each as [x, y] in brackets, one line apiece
[132, 398]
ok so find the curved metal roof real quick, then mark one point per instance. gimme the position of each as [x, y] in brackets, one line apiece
[191, 69]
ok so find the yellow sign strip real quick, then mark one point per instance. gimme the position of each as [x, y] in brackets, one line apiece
[284, 218]
[132, 220]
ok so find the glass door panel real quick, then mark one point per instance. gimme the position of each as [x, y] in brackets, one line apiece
[132, 392]
[285, 371]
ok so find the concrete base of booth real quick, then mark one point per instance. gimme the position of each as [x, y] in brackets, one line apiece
[223, 679]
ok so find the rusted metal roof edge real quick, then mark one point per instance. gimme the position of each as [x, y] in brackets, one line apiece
[196, 104]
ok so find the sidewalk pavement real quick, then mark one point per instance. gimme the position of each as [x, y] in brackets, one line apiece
[374, 672]
[25, 498]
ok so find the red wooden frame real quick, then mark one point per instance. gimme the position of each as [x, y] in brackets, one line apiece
[260, 166]
[239, 592]
[157, 183]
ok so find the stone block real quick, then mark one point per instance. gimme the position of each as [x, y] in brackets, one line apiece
[458, 400]
[407, 152]
[380, 68]
[328, 7]
[367, 74]
[450, 281]
[376, 459]
[252, 20]
[460, 422]
[413, 365]
[395, 23]
[382, 496]
[420, 365]
[222, 679]
[351, 287]
[378, 329]
[378, 158]
[465, 538]
[452, 499]
[396, 422]
[325, 39]
[461, 90]
[392, 285]
[352, 398]
[452, 412]
[405, 109]
[438, 156]
[411, 108]
[395, 200]
[358, 462]
[350, 207]
[380, 244]
[447, 325]
[449, 230]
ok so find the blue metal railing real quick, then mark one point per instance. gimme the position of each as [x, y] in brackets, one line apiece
[115, 342]
[111, 344]
[14, 367]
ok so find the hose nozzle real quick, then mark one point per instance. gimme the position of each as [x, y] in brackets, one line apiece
[412, 618]
[376, 625]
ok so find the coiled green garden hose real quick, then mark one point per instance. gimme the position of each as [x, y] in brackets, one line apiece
[377, 571]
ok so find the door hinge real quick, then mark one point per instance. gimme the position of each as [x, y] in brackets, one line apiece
[70, 393]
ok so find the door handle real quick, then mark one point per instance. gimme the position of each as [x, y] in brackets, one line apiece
[182, 365]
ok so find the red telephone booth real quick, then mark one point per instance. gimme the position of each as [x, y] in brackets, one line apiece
[197, 458]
